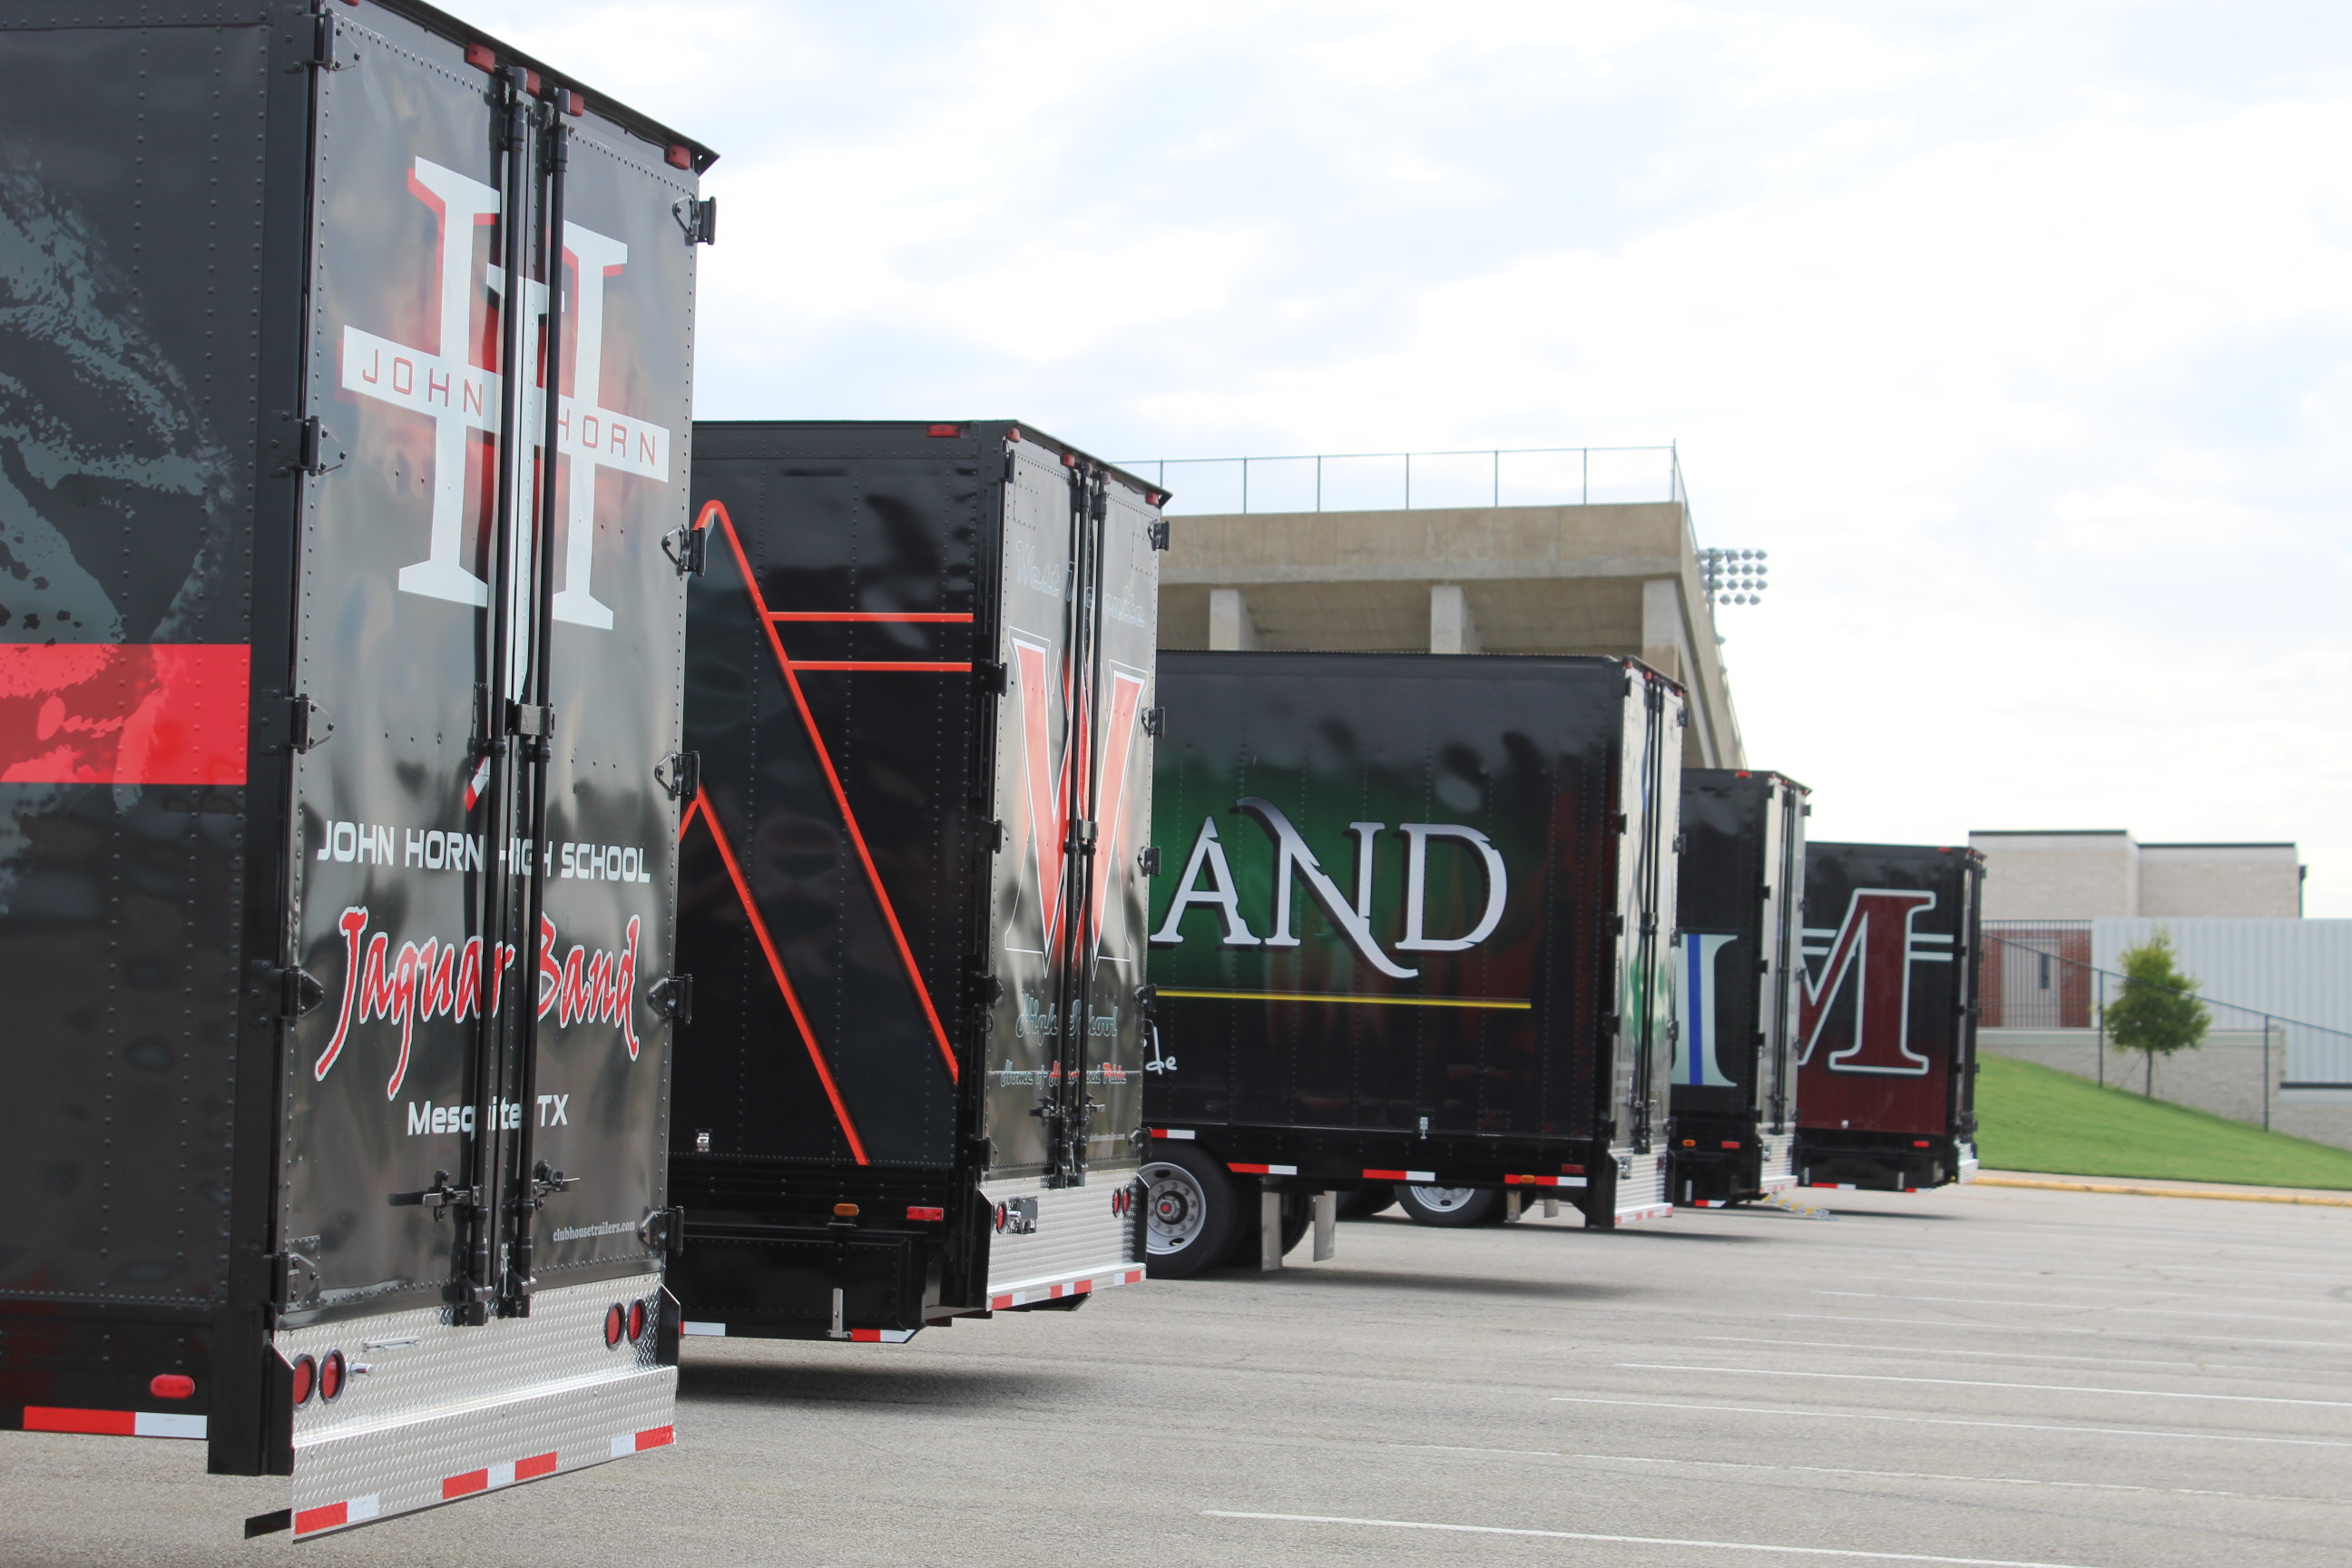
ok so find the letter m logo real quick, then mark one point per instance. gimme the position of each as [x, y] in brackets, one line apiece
[1867, 958]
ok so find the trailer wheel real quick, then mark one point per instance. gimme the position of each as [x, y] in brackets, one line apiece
[1371, 1198]
[1190, 1210]
[1454, 1206]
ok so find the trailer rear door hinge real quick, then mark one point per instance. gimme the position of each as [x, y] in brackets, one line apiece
[322, 51]
[1155, 719]
[532, 719]
[698, 218]
[680, 774]
[689, 550]
[317, 452]
[990, 835]
[673, 998]
[307, 725]
[988, 677]
[987, 989]
[299, 993]
[664, 1230]
[1147, 860]
[1617, 822]
[1158, 533]
[1098, 505]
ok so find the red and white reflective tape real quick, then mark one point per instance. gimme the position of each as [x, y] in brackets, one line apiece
[477, 784]
[1543, 1181]
[335, 1515]
[880, 1336]
[1710, 1202]
[496, 1475]
[1264, 1170]
[1655, 1211]
[112, 1423]
[1171, 1132]
[1836, 1186]
[1399, 1175]
[637, 1443]
[1777, 1183]
[1085, 1287]
[716, 1331]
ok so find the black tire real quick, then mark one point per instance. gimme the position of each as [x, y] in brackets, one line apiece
[1191, 1211]
[1454, 1207]
[1371, 1198]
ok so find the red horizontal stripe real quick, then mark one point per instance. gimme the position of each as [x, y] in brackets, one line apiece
[465, 1485]
[933, 618]
[1252, 1170]
[867, 1336]
[538, 1464]
[1384, 1175]
[657, 1437]
[903, 665]
[97, 1423]
[159, 713]
[325, 1517]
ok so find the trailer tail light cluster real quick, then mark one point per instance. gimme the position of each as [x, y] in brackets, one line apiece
[172, 1385]
[626, 1324]
[319, 1377]
[481, 58]
[918, 1212]
[1122, 1202]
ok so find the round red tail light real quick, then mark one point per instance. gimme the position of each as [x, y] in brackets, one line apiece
[305, 1379]
[616, 1322]
[330, 1375]
[172, 1385]
[636, 1319]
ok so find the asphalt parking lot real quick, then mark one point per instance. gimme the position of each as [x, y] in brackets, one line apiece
[1980, 1376]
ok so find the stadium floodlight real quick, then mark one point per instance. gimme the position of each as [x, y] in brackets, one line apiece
[1734, 576]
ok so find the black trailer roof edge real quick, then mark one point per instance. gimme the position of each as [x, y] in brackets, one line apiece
[1840, 846]
[459, 30]
[1766, 776]
[1025, 432]
[1485, 664]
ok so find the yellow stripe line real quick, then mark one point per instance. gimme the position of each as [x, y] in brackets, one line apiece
[2344, 1202]
[1344, 996]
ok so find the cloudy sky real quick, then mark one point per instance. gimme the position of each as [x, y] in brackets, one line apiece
[2020, 334]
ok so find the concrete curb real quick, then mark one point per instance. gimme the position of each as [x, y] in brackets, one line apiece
[2058, 1186]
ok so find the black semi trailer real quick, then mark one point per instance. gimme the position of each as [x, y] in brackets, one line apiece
[920, 688]
[1887, 1025]
[1411, 927]
[338, 654]
[1737, 978]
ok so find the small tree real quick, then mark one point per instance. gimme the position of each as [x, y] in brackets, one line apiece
[2156, 1012]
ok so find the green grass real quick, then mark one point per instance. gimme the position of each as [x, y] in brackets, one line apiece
[2031, 1117]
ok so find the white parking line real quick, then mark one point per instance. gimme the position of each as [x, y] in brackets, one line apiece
[2152, 1286]
[1877, 1475]
[1953, 1421]
[1981, 1302]
[1996, 1355]
[1974, 1382]
[1635, 1540]
[2054, 1328]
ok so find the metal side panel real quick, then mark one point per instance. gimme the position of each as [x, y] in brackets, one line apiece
[1642, 1188]
[1776, 1162]
[1060, 1241]
[431, 1413]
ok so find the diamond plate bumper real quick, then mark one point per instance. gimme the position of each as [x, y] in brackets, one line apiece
[430, 1413]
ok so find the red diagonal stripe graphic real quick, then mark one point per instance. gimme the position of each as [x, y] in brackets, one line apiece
[775, 967]
[841, 796]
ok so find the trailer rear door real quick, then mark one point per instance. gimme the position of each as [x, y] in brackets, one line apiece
[1077, 634]
[487, 686]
